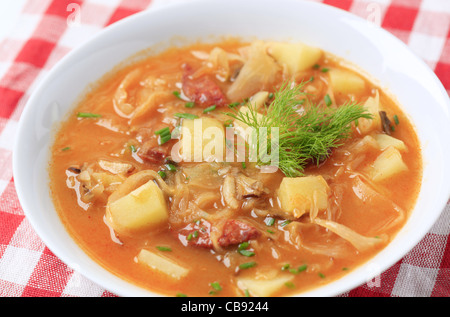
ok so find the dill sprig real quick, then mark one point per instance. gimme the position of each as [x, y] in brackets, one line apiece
[306, 132]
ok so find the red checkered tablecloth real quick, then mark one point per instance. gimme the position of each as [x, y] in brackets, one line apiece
[45, 30]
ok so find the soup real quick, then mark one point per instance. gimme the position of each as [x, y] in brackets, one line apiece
[235, 169]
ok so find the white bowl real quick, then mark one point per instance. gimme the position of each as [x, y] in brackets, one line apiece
[375, 51]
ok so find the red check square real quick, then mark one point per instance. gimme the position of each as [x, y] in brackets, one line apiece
[121, 13]
[400, 18]
[9, 100]
[35, 52]
[341, 4]
[63, 8]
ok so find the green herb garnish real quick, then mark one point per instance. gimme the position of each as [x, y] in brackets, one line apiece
[171, 167]
[269, 221]
[234, 104]
[396, 119]
[228, 123]
[189, 104]
[162, 248]
[285, 223]
[162, 174]
[65, 149]
[164, 135]
[302, 138]
[247, 265]
[327, 100]
[301, 268]
[209, 109]
[88, 115]
[246, 253]
[186, 116]
[244, 245]
[289, 285]
[216, 286]
[162, 131]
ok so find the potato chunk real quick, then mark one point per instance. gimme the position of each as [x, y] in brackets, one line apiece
[295, 56]
[384, 141]
[258, 99]
[263, 287]
[142, 209]
[162, 264]
[298, 195]
[387, 164]
[346, 82]
[373, 106]
[202, 140]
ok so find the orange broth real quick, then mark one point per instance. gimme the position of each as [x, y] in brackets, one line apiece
[323, 255]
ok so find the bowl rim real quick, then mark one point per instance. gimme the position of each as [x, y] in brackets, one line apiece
[27, 206]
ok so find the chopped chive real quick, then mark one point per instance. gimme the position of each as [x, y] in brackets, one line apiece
[345, 269]
[177, 94]
[234, 104]
[316, 66]
[209, 109]
[195, 234]
[247, 265]
[247, 253]
[163, 138]
[132, 148]
[163, 131]
[189, 104]
[171, 167]
[270, 231]
[301, 268]
[189, 237]
[285, 267]
[65, 149]
[244, 166]
[289, 285]
[269, 221]
[181, 295]
[396, 119]
[186, 116]
[88, 115]
[321, 275]
[228, 123]
[162, 248]
[162, 174]
[243, 245]
[392, 128]
[324, 70]
[216, 286]
[327, 100]
[246, 293]
[285, 223]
